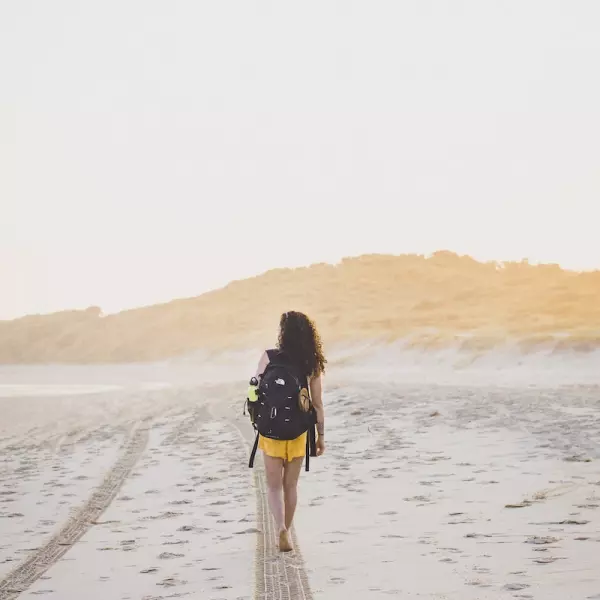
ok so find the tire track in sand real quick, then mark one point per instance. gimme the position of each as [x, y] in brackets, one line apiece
[278, 575]
[18, 580]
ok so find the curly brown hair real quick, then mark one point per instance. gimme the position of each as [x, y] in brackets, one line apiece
[300, 340]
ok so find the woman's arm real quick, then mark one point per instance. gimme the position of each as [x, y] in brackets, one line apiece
[262, 365]
[316, 394]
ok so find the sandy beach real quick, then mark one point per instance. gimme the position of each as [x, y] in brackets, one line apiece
[135, 485]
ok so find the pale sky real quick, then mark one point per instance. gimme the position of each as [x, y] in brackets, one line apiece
[153, 150]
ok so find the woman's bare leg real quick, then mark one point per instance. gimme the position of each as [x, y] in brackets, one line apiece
[274, 472]
[291, 474]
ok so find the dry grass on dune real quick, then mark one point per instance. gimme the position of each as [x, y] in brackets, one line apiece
[431, 301]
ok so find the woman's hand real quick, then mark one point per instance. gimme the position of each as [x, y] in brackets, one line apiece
[320, 445]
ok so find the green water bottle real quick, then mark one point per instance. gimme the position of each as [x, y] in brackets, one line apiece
[252, 398]
[253, 390]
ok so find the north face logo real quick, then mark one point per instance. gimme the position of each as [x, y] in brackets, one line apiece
[280, 381]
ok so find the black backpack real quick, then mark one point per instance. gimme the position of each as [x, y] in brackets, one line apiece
[283, 410]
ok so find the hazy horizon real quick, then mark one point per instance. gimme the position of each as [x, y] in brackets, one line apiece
[151, 153]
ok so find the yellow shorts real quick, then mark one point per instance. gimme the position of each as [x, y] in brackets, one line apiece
[286, 449]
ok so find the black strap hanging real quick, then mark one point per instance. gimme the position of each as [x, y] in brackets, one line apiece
[253, 453]
[307, 460]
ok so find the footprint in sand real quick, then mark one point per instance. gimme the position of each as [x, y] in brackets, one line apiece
[547, 560]
[541, 540]
[169, 555]
[247, 531]
[164, 515]
[483, 570]
[171, 582]
[193, 528]
[568, 522]
[128, 545]
[417, 499]
[583, 459]
[452, 550]
[477, 583]
[462, 521]
[523, 504]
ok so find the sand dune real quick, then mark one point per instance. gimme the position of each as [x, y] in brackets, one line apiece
[431, 303]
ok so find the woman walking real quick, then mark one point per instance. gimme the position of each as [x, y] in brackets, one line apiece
[299, 345]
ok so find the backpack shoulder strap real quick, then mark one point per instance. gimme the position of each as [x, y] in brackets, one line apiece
[276, 357]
